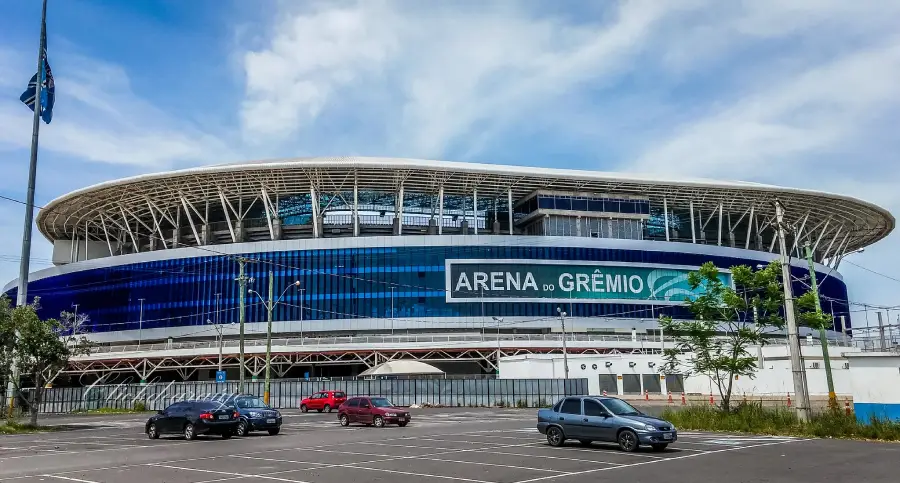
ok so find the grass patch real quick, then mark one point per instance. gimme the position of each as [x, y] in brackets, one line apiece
[14, 427]
[753, 418]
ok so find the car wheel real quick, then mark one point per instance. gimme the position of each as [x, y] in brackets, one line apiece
[227, 435]
[378, 422]
[327, 408]
[628, 441]
[189, 433]
[345, 421]
[555, 436]
[585, 442]
[303, 408]
[659, 446]
[241, 428]
[403, 424]
[152, 432]
[274, 431]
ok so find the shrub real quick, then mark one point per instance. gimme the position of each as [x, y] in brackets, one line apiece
[521, 404]
[754, 418]
[140, 406]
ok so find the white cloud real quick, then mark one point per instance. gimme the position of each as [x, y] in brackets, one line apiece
[97, 117]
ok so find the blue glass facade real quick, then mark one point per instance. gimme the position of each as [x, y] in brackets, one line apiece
[355, 283]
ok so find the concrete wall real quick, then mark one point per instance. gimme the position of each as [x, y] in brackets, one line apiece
[875, 385]
[772, 379]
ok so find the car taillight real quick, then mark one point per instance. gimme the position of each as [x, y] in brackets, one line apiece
[206, 416]
[236, 415]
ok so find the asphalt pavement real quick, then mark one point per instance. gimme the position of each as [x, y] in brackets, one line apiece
[462, 445]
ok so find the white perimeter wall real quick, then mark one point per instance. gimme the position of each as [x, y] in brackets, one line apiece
[773, 378]
[875, 378]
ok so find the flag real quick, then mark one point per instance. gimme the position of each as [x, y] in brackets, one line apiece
[48, 89]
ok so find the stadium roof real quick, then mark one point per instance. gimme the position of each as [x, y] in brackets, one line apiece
[135, 201]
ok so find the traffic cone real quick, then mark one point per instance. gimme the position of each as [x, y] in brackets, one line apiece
[847, 407]
[646, 395]
[789, 399]
[670, 397]
[683, 400]
[712, 401]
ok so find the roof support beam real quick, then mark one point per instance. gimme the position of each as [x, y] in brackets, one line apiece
[720, 223]
[314, 203]
[106, 235]
[475, 209]
[137, 247]
[225, 208]
[830, 245]
[441, 210]
[666, 216]
[799, 233]
[187, 212]
[822, 234]
[693, 224]
[267, 206]
[749, 227]
[158, 228]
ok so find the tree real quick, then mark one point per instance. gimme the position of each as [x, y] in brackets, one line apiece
[38, 348]
[728, 321]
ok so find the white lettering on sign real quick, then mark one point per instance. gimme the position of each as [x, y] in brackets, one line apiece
[597, 282]
[636, 284]
[495, 281]
[612, 283]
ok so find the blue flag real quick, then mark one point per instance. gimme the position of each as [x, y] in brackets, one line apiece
[48, 90]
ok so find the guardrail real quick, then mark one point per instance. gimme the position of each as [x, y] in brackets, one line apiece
[487, 337]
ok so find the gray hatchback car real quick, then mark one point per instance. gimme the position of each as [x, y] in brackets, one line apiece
[600, 418]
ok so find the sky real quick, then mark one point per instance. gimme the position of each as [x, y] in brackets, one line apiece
[801, 93]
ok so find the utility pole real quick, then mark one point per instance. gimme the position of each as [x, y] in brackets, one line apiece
[499, 321]
[302, 291]
[832, 397]
[270, 306]
[883, 346]
[562, 320]
[392, 309]
[219, 338]
[242, 316]
[797, 369]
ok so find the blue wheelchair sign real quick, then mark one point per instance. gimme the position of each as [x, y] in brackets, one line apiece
[220, 376]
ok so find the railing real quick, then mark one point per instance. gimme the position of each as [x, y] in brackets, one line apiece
[464, 392]
[485, 337]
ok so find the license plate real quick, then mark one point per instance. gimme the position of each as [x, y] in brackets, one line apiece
[667, 436]
[401, 419]
[224, 416]
[270, 421]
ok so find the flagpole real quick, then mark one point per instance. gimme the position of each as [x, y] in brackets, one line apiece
[22, 291]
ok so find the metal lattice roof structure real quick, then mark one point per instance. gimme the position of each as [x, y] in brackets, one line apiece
[146, 206]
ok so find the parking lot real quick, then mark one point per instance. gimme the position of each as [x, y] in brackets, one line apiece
[490, 446]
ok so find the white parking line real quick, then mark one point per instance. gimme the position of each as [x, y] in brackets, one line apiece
[596, 470]
[558, 458]
[68, 478]
[235, 475]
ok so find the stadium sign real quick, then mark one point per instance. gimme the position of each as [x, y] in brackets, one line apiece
[564, 281]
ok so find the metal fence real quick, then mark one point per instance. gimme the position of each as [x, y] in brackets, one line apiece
[470, 392]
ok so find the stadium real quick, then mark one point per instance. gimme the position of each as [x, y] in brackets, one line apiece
[380, 259]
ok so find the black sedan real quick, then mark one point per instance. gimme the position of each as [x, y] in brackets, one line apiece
[193, 418]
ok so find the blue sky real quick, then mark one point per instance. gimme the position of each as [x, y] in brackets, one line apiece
[801, 93]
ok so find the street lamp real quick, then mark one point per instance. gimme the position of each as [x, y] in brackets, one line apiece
[270, 306]
[562, 320]
[498, 320]
[219, 340]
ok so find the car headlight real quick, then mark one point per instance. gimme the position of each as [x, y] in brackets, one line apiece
[391, 415]
[254, 414]
[647, 427]
[277, 414]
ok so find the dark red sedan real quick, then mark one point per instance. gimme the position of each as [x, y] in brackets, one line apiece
[374, 411]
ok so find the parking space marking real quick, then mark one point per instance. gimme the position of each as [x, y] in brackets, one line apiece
[236, 475]
[578, 460]
[410, 473]
[630, 465]
[69, 479]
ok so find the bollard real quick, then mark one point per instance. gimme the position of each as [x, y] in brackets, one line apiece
[646, 395]
[683, 400]
[712, 401]
[670, 397]
[789, 399]
[847, 407]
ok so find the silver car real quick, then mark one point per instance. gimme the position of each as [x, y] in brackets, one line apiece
[600, 418]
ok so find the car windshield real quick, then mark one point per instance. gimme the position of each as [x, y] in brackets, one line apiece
[380, 402]
[620, 407]
[251, 403]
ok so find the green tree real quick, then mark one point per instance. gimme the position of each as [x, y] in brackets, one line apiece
[38, 348]
[728, 321]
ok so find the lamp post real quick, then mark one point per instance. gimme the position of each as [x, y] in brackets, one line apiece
[242, 315]
[270, 307]
[219, 340]
[499, 321]
[562, 320]
[302, 290]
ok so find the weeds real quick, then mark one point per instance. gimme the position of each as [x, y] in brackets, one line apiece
[754, 418]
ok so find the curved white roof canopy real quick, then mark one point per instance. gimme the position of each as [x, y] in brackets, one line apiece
[140, 202]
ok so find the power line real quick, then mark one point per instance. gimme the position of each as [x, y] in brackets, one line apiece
[873, 271]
